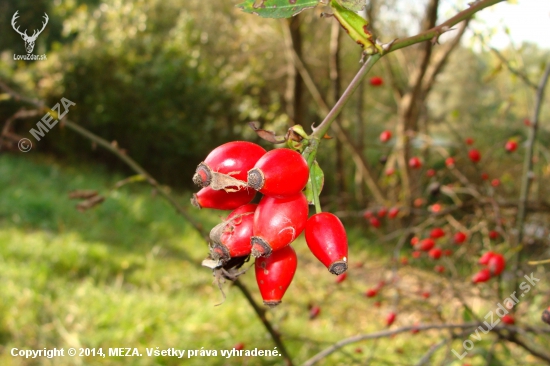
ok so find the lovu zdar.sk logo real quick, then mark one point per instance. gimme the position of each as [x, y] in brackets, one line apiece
[29, 40]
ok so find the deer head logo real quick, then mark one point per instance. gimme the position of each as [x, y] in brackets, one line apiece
[29, 40]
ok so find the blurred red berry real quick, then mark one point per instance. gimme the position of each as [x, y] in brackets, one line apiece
[469, 141]
[435, 253]
[376, 81]
[341, 278]
[375, 222]
[425, 244]
[426, 294]
[430, 173]
[474, 155]
[508, 319]
[385, 136]
[459, 238]
[416, 254]
[484, 176]
[390, 171]
[371, 292]
[493, 234]
[496, 264]
[390, 318]
[447, 252]
[418, 202]
[415, 163]
[439, 268]
[414, 240]
[239, 346]
[377, 304]
[382, 212]
[435, 208]
[393, 212]
[450, 162]
[527, 122]
[437, 233]
[314, 312]
[495, 182]
[482, 276]
[367, 214]
[511, 145]
[404, 261]
[484, 260]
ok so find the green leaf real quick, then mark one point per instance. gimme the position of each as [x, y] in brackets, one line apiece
[319, 177]
[354, 5]
[466, 316]
[276, 8]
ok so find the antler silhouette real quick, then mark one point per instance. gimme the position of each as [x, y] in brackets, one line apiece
[15, 16]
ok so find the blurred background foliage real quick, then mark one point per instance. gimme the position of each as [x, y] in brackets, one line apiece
[170, 80]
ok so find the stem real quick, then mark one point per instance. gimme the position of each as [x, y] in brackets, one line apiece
[528, 174]
[261, 315]
[323, 128]
[315, 195]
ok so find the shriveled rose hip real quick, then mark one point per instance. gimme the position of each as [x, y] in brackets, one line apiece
[280, 172]
[277, 222]
[231, 238]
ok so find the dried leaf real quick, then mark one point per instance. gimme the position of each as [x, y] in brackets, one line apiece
[89, 203]
[267, 135]
[82, 194]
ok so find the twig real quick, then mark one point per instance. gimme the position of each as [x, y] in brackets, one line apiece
[433, 349]
[510, 68]
[528, 168]
[386, 333]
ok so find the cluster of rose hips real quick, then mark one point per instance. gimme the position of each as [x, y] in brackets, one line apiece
[494, 263]
[231, 175]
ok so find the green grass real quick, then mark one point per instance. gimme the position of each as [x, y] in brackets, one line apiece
[127, 274]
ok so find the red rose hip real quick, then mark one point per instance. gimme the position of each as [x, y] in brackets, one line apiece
[277, 222]
[385, 136]
[274, 274]
[280, 172]
[327, 240]
[222, 200]
[231, 238]
[234, 158]
[474, 155]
